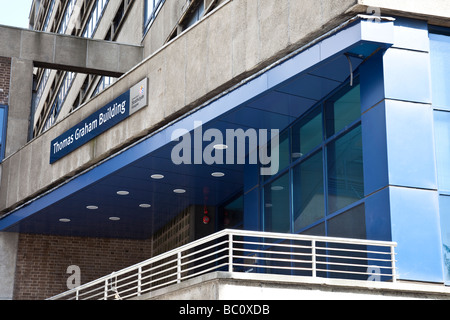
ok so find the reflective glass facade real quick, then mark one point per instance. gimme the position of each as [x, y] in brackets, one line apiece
[320, 184]
[440, 70]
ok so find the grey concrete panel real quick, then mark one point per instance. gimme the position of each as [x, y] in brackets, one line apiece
[102, 55]
[37, 46]
[8, 258]
[70, 51]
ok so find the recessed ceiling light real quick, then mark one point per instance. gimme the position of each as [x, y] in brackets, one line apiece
[297, 155]
[218, 174]
[114, 218]
[123, 193]
[277, 188]
[179, 191]
[92, 207]
[64, 220]
[220, 147]
[269, 205]
[145, 205]
[157, 176]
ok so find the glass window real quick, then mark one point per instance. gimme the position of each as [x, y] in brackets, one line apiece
[284, 150]
[345, 170]
[342, 110]
[325, 177]
[307, 134]
[442, 137]
[276, 196]
[350, 224]
[440, 69]
[152, 8]
[308, 192]
[231, 215]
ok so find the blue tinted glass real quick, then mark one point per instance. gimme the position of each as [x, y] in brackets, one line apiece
[345, 170]
[342, 109]
[442, 138]
[440, 69]
[307, 134]
[276, 205]
[308, 193]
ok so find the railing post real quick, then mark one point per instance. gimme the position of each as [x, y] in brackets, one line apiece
[313, 258]
[179, 267]
[394, 272]
[106, 289]
[230, 253]
[139, 281]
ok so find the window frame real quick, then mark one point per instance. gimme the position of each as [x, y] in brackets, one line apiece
[150, 17]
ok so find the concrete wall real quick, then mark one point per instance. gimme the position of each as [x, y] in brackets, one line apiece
[238, 39]
[8, 250]
[205, 60]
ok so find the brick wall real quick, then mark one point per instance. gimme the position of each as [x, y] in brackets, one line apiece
[5, 76]
[42, 260]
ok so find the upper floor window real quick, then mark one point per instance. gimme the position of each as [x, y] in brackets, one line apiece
[151, 10]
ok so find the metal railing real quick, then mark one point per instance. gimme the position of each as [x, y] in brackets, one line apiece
[249, 252]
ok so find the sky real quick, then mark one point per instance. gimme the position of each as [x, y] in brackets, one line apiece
[15, 12]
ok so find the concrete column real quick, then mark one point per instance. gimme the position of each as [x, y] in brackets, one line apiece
[399, 157]
[19, 104]
[8, 258]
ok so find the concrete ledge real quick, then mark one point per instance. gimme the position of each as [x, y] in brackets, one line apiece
[246, 286]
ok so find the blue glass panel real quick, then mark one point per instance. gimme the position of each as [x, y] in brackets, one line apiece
[345, 171]
[343, 109]
[440, 69]
[308, 192]
[444, 213]
[276, 206]
[442, 138]
[307, 134]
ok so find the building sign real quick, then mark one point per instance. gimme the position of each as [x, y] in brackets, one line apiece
[100, 121]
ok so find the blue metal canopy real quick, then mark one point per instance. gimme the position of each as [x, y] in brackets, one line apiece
[271, 99]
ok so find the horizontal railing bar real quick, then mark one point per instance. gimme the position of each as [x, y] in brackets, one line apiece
[273, 245]
[205, 271]
[274, 252]
[273, 267]
[203, 264]
[351, 272]
[353, 250]
[204, 249]
[260, 234]
[349, 257]
[203, 257]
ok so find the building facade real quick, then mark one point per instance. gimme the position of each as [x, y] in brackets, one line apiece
[133, 127]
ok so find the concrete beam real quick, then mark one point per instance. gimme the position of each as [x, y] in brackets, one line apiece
[20, 95]
[62, 52]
